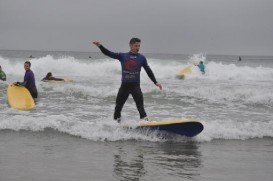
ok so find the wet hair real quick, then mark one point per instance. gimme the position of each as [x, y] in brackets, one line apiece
[134, 40]
[28, 62]
[201, 62]
[49, 74]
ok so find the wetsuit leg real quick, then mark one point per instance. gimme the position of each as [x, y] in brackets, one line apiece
[138, 98]
[122, 96]
[33, 91]
[57, 79]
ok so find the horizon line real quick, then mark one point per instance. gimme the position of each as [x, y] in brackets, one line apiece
[141, 53]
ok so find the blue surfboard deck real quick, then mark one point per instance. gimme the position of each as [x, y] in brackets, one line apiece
[186, 128]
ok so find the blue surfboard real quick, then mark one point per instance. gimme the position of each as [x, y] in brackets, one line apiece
[186, 128]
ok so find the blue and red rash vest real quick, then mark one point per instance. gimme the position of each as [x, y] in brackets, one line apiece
[131, 65]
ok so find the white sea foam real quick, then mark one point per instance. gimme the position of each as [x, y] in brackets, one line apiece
[107, 129]
[223, 84]
[235, 129]
[69, 66]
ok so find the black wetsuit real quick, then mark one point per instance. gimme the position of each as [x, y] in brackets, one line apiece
[131, 66]
[29, 83]
[52, 78]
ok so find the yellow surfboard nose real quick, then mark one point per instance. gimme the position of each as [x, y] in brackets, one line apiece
[19, 97]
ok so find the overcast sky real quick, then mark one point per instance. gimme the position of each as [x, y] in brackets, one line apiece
[240, 27]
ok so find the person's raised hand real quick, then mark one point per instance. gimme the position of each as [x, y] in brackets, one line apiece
[159, 86]
[16, 83]
[97, 43]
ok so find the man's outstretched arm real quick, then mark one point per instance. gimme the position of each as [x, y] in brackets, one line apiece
[151, 74]
[105, 51]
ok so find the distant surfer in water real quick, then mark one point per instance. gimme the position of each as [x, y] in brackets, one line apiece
[31, 56]
[29, 80]
[49, 76]
[240, 59]
[131, 64]
[3, 76]
[201, 67]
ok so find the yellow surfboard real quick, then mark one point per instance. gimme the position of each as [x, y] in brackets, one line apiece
[185, 71]
[19, 97]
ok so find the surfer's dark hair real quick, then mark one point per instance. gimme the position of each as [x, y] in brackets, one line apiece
[28, 62]
[134, 40]
[49, 74]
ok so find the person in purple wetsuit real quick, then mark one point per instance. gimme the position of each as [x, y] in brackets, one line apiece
[131, 63]
[29, 80]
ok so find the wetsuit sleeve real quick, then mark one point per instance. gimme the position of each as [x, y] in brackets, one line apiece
[3, 76]
[26, 79]
[149, 71]
[109, 53]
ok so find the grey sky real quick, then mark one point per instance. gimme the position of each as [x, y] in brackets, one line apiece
[165, 26]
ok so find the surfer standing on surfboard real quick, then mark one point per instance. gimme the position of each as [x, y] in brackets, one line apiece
[29, 80]
[131, 63]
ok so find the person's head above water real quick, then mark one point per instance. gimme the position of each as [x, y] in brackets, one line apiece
[48, 75]
[135, 45]
[201, 62]
[0, 68]
[27, 65]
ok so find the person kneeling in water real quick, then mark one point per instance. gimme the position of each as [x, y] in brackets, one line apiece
[49, 76]
[29, 80]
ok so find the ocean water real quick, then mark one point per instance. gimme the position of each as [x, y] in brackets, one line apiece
[71, 135]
